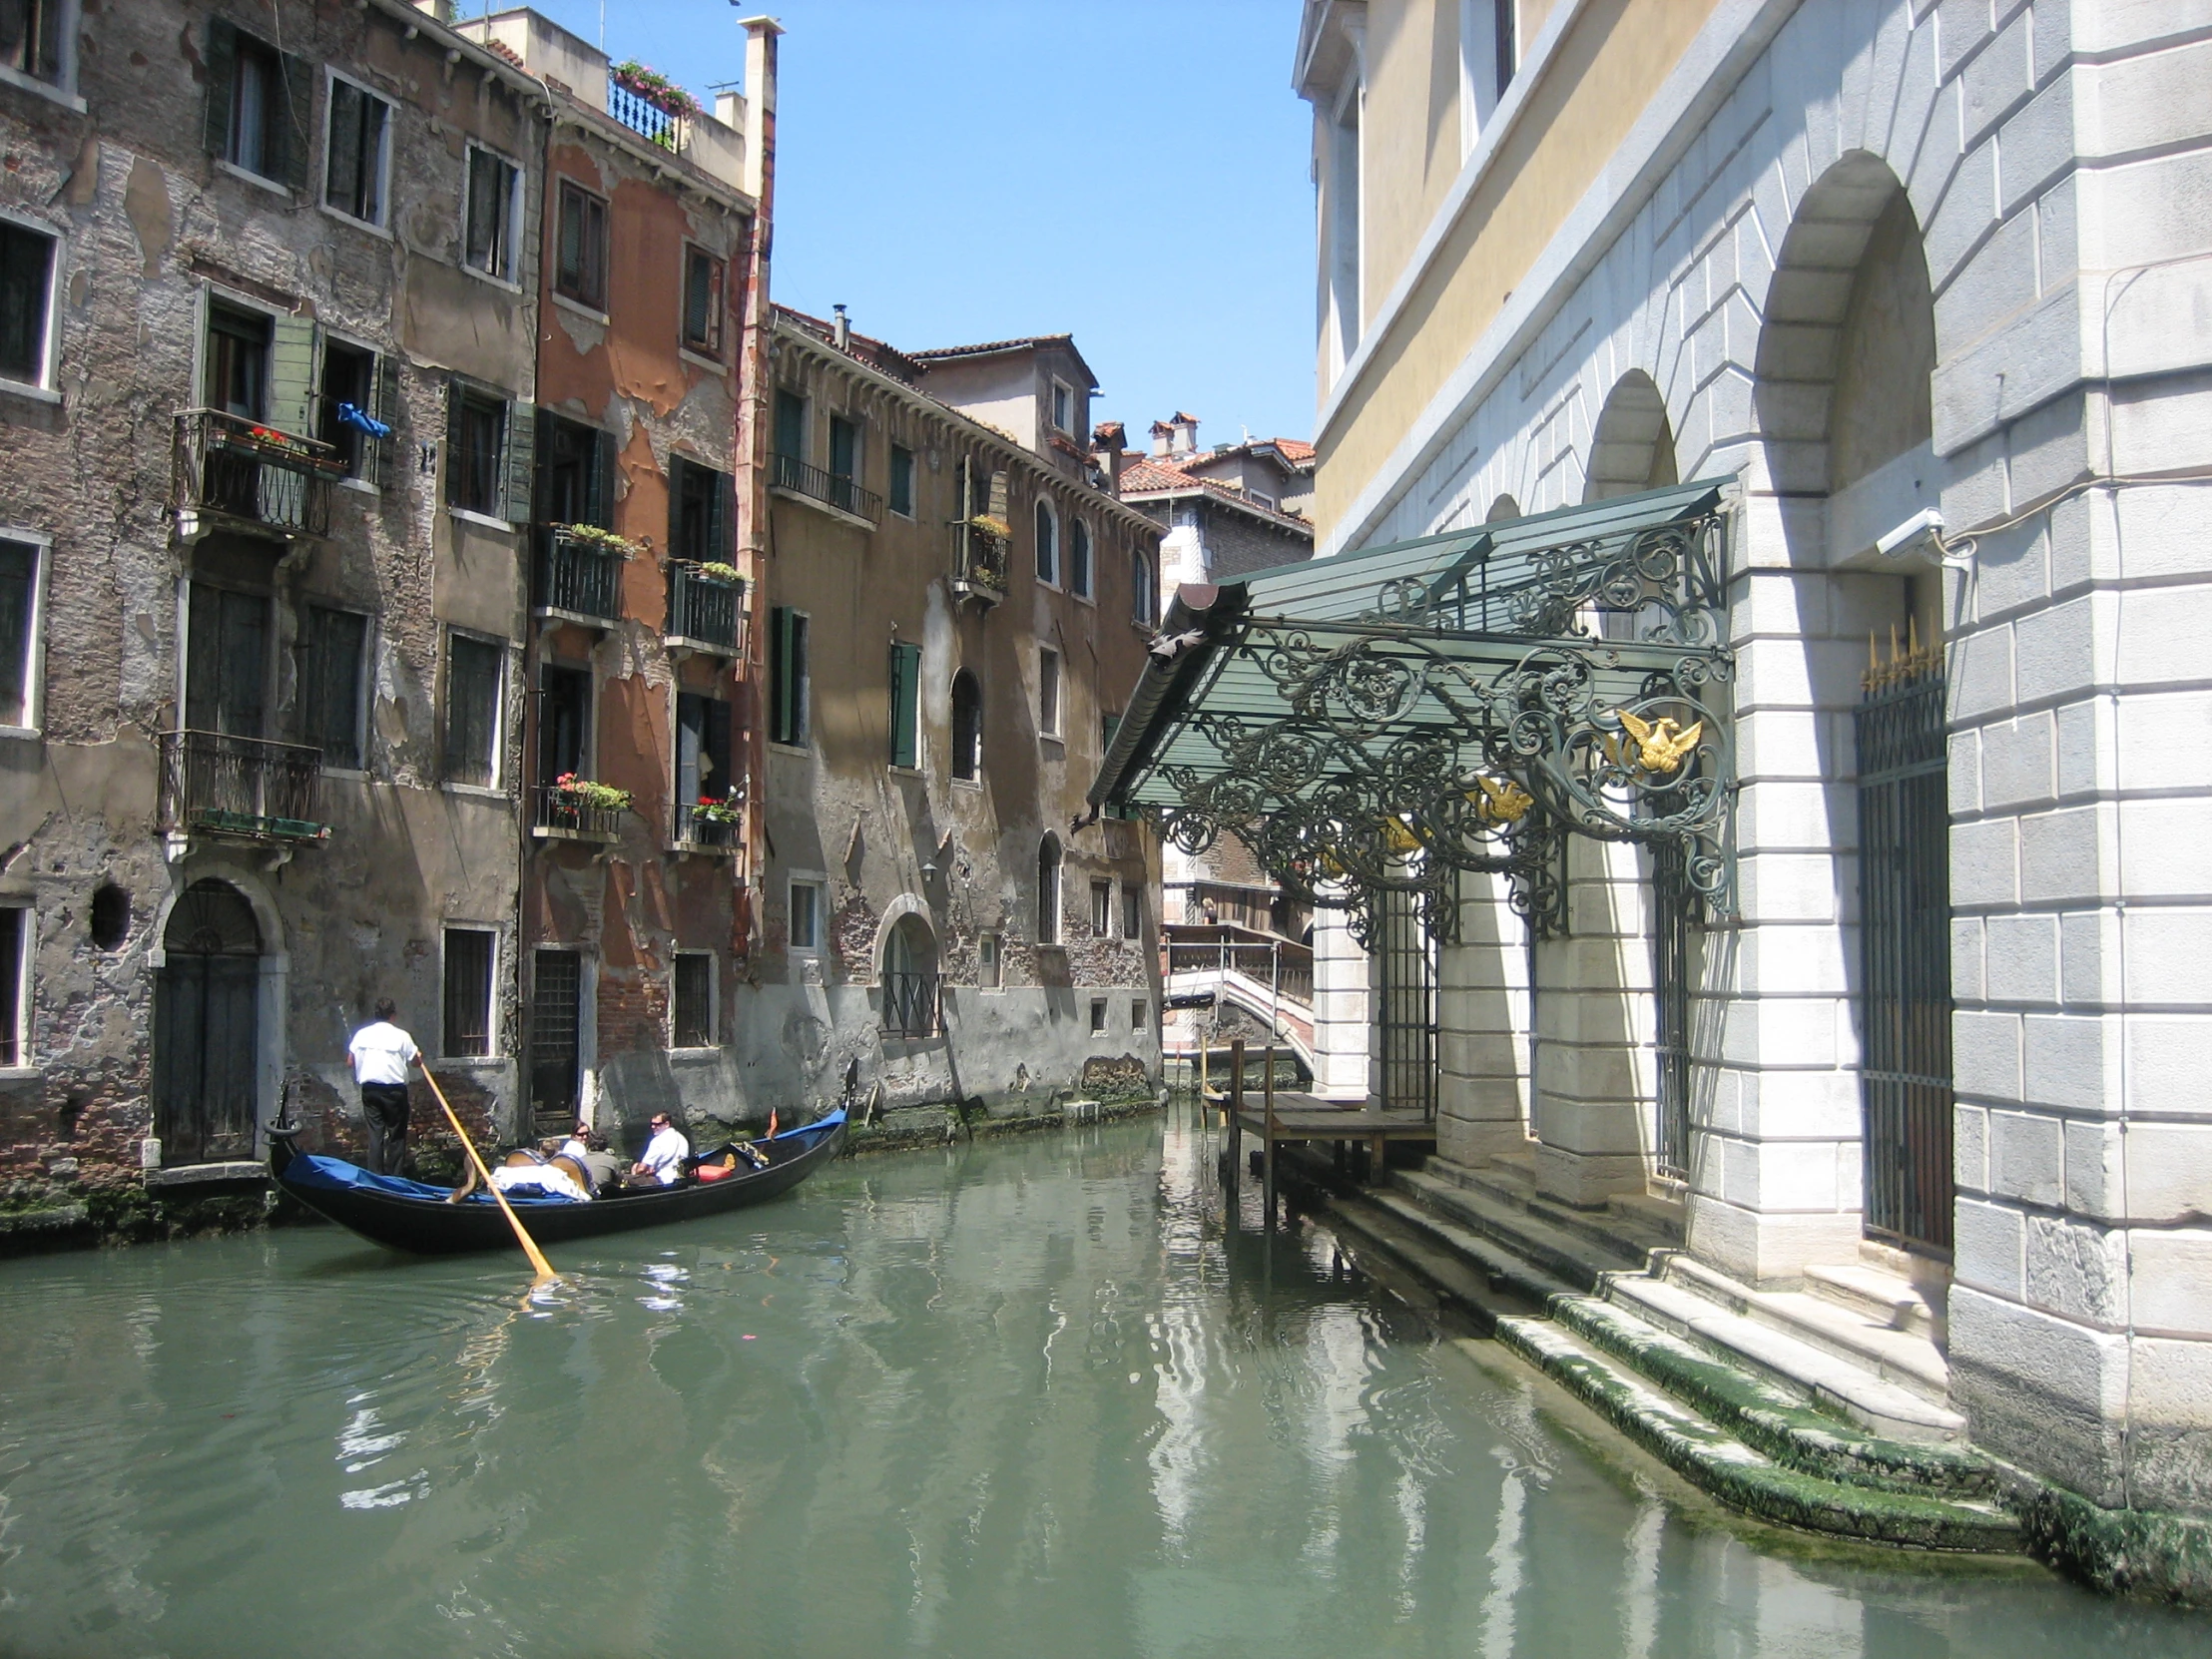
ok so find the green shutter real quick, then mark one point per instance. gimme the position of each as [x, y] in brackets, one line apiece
[781, 690]
[906, 698]
[292, 374]
[721, 543]
[222, 75]
[603, 479]
[295, 122]
[522, 425]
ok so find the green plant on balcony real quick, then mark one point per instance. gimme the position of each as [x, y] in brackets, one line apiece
[714, 570]
[712, 810]
[655, 88]
[576, 792]
[603, 541]
[990, 526]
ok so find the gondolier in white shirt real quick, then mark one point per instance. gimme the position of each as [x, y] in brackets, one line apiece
[662, 1161]
[381, 1053]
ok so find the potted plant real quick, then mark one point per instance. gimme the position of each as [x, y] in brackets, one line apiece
[714, 570]
[655, 88]
[571, 797]
[599, 540]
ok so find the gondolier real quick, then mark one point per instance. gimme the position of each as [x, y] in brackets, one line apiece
[381, 1053]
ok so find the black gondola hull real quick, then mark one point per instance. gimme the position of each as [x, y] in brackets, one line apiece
[431, 1227]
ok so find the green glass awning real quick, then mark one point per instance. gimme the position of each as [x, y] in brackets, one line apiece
[1383, 720]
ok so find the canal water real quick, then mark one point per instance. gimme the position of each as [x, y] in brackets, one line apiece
[1031, 1398]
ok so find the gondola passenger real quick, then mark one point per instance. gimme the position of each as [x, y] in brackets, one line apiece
[662, 1163]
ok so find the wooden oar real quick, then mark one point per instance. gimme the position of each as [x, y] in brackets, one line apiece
[522, 1234]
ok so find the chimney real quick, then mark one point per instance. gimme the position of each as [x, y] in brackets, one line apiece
[1163, 440]
[1186, 433]
[759, 106]
[1107, 444]
[841, 331]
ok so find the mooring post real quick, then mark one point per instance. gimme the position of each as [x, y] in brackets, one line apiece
[1236, 1112]
[1267, 1144]
[1205, 1104]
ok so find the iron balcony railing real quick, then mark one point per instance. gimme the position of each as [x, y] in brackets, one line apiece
[578, 576]
[697, 828]
[704, 608]
[220, 783]
[561, 813]
[909, 1004]
[980, 558]
[788, 472]
[644, 117]
[246, 469]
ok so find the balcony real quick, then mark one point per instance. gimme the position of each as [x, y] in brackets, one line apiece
[979, 557]
[788, 475]
[698, 828]
[909, 1006]
[241, 471]
[704, 612]
[563, 815]
[215, 784]
[578, 579]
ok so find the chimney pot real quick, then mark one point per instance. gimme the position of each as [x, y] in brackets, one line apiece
[842, 330]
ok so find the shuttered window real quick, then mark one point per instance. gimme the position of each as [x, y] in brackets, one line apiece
[490, 453]
[902, 481]
[356, 152]
[580, 268]
[1048, 545]
[336, 645]
[490, 214]
[787, 679]
[260, 101]
[576, 483]
[700, 510]
[354, 378]
[703, 771]
[905, 690]
[702, 302]
[469, 952]
[472, 680]
[1079, 558]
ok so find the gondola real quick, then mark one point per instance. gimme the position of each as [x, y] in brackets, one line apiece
[414, 1217]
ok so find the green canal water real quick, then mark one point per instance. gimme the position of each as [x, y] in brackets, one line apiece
[1025, 1399]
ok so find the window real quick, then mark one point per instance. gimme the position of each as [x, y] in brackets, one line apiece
[845, 462]
[333, 650]
[906, 690]
[580, 253]
[473, 672]
[903, 481]
[564, 722]
[238, 361]
[14, 949]
[493, 206]
[1079, 559]
[31, 37]
[260, 101]
[1048, 544]
[990, 971]
[356, 388]
[1048, 692]
[1102, 909]
[19, 630]
[805, 921]
[967, 727]
[790, 426]
[692, 1024]
[1064, 406]
[1048, 891]
[576, 473]
[358, 152]
[1144, 604]
[1488, 51]
[702, 302]
[703, 766]
[1132, 911]
[26, 297]
[488, 453]
[1098, 1016]
[787, 683]
[227, 635]
[699, 512]
[1140, 1016]
[470, 953]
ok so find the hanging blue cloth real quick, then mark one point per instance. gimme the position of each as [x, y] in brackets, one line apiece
[363, 421]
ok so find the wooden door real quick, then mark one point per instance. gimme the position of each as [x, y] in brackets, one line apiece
[206, 1028]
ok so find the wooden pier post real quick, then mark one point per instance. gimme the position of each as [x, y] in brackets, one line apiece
[1236, 1112]
[1267, 1143]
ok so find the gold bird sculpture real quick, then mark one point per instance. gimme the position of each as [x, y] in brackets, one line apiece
[1501, 799]
[1399, 835]
[1661, 745]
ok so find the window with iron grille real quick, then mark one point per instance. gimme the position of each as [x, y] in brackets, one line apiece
[580, 249]
[469, 952]
[474, 671]
[702, 302]
[335, 648]
[26, 290]
[356, 151]
[693, 1022]
[490, 213]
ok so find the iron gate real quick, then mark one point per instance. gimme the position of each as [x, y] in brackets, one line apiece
[1409, 1014]
[556, 1034]
[1674, 912]
[1905, 953]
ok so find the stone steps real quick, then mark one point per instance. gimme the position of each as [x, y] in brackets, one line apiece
[1881, 1297]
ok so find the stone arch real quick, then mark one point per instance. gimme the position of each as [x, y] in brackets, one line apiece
[219, 1016]
[1503, 507]
[906, 908]
[1632, 445]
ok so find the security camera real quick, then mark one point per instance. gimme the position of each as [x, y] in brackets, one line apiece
[1906, 536]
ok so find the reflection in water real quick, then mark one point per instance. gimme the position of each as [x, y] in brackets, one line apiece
[1035, 1398]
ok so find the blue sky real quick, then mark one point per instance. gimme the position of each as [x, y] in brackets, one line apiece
[966, 170]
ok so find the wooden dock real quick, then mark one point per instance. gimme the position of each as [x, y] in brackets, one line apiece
[1282, 1116]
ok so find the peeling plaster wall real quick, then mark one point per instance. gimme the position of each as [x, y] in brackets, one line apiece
[149, 223]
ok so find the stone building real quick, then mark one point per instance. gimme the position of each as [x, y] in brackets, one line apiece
[1867, 984]
[651, 287]
[953, 617]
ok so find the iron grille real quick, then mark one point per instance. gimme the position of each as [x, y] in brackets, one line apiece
[556, 1032]
[244, 469]
[1408, 1016]
[1905, 945]
[702, 608]
[1674, 912]
[909, 1004]
[231, 785]
[579, 578]
[817, 484]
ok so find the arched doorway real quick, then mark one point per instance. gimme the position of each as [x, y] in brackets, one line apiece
[909, 980]
[207, 1029]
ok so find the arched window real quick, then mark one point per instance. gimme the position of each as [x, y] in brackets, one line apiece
[967, 726]
[1049, 890]
[1048, 544]
[1144, 599]
[1079, 559]
[909, 980]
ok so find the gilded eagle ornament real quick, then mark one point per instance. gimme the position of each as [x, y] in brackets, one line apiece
[1661, 745]
[1501, 799]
